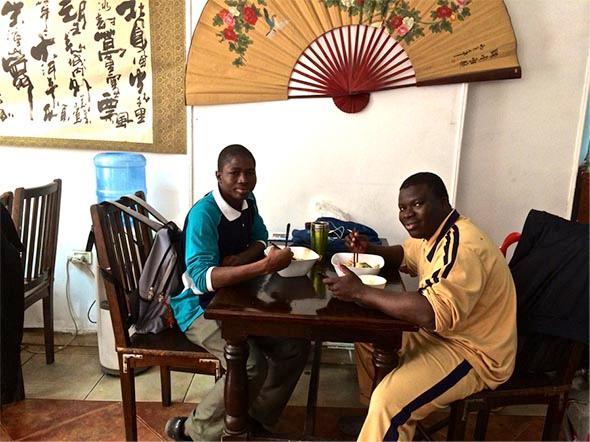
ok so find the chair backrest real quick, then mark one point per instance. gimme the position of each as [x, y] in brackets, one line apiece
[6, 199]
[122, 246]
[550, 271]
[35, 212]
[511, 238]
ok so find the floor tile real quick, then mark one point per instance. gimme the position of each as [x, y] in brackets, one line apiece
[156, 416]
[63, 420]
[337, 355]
[104, 423]
[330, 389]
[33, 349]
[147, 387]
[25, 357]
[35, 336]
[33, 416]
[4, 436]
[73, 375]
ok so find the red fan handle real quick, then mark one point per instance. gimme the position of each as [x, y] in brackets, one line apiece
[351, 104]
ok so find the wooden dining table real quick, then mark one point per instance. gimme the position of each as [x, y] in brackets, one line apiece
[300, 307]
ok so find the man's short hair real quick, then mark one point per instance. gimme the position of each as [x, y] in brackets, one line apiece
[231, 151]
[433, 181]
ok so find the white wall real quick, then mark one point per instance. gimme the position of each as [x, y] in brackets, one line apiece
[520, 149]
[522, 138]
[309, 151]
[168, 184]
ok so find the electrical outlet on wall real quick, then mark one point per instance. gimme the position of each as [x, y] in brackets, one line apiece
[277, 236]
[82, 256]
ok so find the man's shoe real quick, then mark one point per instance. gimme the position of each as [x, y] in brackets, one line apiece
[175, 428]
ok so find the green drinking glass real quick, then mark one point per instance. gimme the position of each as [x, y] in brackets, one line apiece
[318, 234]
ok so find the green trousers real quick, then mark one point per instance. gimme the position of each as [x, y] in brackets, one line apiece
[273, 366]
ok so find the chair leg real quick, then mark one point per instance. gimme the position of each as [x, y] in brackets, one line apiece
[481, 425]
[128, 397]
[165, 385]
[554, 418]
[48, 327]
[457, 421]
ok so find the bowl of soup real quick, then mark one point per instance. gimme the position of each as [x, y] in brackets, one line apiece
[367, 264]
[302, 262]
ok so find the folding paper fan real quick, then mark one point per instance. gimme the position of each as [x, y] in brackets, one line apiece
[262, 50]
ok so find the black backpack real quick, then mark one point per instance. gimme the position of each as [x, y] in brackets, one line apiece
[161, 276]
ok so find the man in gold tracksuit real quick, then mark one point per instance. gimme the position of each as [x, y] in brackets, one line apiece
[465, 307]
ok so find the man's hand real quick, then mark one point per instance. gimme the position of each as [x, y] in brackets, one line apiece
[356, 242]
[278, 259]
[346, 288]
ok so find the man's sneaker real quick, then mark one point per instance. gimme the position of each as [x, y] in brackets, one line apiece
[175, 428]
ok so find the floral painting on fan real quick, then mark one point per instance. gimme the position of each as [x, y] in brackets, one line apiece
[403, 21]
[237, 20]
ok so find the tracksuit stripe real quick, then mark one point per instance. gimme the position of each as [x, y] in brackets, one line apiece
[449, 381]
[452, 220]
[454, 252]
[449, 257]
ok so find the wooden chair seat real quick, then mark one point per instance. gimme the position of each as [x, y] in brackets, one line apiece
[172, 340]
[173, 345]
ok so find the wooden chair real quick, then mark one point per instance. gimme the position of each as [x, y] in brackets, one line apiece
[6, 199]
[122, 246]
[35, 212]
[525, 386]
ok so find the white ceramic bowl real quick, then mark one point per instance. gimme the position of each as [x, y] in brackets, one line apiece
[375, 262]
[303, 261]
[374, 281]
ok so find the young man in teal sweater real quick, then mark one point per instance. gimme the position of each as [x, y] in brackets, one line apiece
[225, 241]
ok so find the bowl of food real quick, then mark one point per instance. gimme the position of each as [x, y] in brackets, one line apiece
[366, 264]
[375, 281]
[302, 262]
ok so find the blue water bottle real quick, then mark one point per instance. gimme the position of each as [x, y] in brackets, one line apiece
[118, 174]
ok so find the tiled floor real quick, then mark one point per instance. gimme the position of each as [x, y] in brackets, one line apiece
[73, 399]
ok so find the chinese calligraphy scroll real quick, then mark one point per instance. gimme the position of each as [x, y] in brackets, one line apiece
[84, 74]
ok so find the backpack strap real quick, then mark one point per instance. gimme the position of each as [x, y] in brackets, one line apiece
[138, 216]
[143, 203]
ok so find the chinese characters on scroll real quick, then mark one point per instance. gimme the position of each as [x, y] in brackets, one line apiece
[76, 69]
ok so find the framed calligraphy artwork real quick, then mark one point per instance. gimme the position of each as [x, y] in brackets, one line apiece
[93, 74]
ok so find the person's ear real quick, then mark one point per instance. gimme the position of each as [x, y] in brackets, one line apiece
[218, 175]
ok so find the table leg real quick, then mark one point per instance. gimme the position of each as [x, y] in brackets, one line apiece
[385, 359]
[236, 389]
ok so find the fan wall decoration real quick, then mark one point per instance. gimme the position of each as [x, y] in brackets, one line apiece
[264, 50]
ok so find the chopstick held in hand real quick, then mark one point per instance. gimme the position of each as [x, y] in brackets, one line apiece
[287, 235]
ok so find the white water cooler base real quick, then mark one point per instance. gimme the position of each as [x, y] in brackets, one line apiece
[109, 363]
[107, 352]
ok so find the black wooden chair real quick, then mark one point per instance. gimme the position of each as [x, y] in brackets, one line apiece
[122, 246]
[35, 212]
[549, 266]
